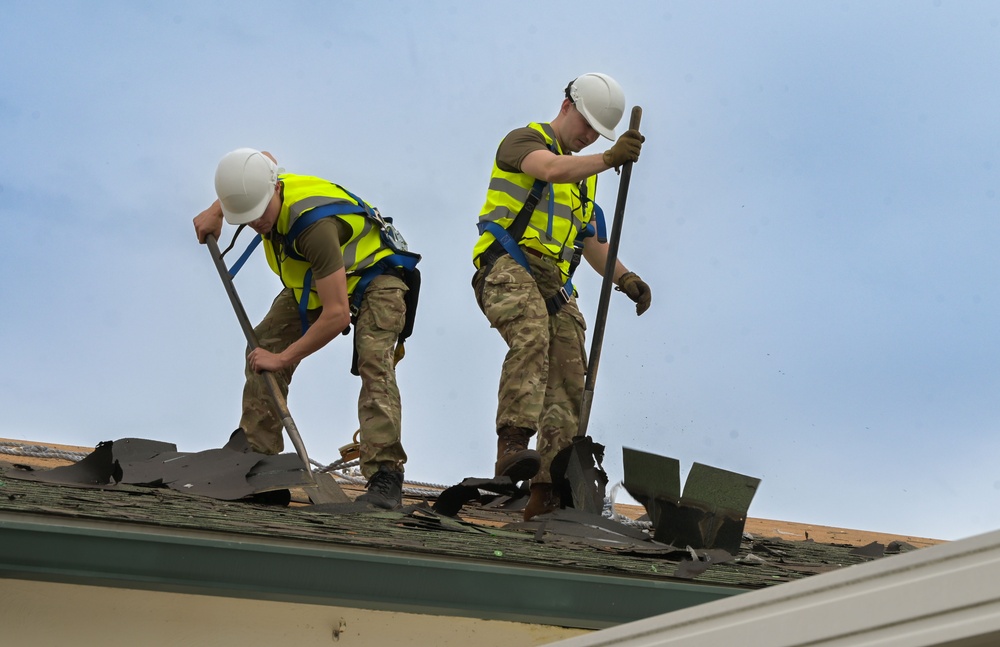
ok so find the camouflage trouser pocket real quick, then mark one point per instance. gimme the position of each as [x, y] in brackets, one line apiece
[384, 303]
[509, 293]
[571, 310]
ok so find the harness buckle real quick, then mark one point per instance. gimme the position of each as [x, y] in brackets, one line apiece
[555, 303]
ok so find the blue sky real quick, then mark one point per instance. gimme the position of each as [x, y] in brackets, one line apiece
[815, 210]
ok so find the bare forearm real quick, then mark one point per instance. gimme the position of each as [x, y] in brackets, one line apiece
[319, 335]
[577, 168]
[596, 254]
[209, 221]
[332, 320]
[561, 169]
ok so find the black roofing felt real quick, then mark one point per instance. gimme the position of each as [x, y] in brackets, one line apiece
[230, 473]
[566, 540]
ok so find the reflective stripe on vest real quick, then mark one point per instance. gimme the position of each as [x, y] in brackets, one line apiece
[560, 216]
[302, 195]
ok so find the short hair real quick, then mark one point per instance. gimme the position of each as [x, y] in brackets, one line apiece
[567, 91]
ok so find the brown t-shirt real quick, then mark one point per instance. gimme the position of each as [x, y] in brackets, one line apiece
[321, 242]
[516, 146]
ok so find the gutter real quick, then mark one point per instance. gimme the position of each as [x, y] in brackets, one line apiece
[128, 556]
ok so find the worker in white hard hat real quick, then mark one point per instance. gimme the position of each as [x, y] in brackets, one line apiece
[539, 219]
[340, 263]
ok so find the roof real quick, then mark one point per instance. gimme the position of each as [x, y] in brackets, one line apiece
[944, 596]
[480, 563]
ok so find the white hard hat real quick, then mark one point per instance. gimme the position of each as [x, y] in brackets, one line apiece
[600, 100]
[245, 180]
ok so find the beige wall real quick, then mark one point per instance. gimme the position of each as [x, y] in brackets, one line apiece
[42, 613]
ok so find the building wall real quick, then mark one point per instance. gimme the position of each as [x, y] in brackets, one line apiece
[44, 613]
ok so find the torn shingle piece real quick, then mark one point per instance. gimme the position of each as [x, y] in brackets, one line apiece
[873, 550]
[452, 499]
[95, 469]
[128, 450]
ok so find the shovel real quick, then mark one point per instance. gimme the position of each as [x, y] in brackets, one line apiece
[269, 379]
[584, 453]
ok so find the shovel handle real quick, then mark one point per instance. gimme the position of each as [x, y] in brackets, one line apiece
[609, 270]
[269, 379]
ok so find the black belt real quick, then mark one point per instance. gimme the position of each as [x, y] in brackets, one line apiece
[393, 271]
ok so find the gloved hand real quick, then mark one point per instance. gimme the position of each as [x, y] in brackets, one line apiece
[635, 289]
[626, 149]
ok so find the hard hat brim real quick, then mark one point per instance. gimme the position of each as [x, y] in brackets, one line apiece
[248, 215]
[607, 133]
[600, 100]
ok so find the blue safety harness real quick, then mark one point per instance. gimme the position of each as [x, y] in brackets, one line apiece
[400, 258]
[508, 239]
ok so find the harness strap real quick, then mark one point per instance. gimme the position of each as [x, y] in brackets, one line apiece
[552, 208]
[311, 217]
[602, 229]
[508, 239]
[361, 203]
[562, 297]
[384, 265]
[410, 276]
[246, 254]
[554, 303]
[508, 243]
[401, 258]
[304, 300]
[520, 221]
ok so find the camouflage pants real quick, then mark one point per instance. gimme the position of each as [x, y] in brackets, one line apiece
[379, 323]
[542, 380]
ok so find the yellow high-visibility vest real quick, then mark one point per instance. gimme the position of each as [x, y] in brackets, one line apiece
[563, 211]
[302, 194]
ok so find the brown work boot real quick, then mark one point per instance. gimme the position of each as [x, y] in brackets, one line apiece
[514, 459]
[543, 499]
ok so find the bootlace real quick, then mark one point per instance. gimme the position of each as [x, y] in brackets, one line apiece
[381, 482]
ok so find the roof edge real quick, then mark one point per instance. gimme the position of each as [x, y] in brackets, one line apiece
[266, 568]
[941, 596]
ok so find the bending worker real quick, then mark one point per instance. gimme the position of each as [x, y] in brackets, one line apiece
[340, 262]
[538, 220]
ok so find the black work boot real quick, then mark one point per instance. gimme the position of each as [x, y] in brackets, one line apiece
[385, 489]
[544, 499]
[514, 459]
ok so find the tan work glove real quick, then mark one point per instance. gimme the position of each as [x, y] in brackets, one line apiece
[635, 289]
[626, 149]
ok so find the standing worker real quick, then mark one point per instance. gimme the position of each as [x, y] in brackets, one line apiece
[340, 262]
[538, 220]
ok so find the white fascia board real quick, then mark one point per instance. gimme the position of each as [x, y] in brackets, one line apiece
[944, 595]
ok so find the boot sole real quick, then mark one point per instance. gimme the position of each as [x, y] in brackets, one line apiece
[523, 469]
[380, 502]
